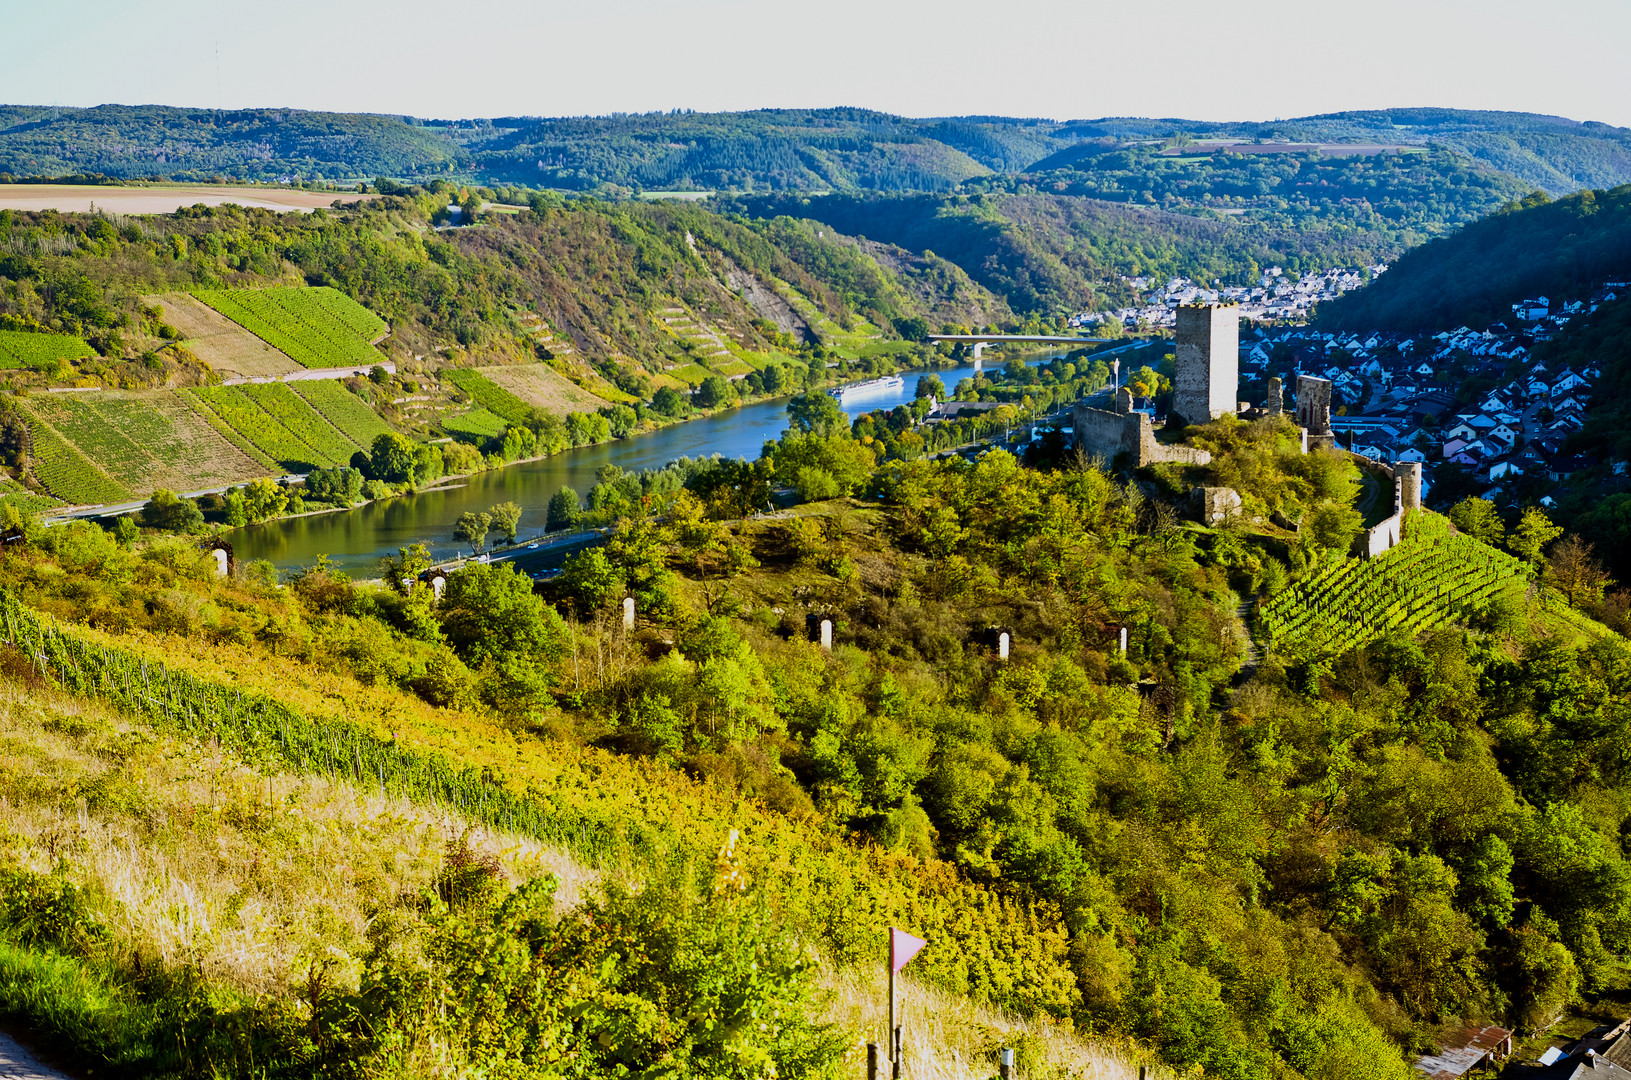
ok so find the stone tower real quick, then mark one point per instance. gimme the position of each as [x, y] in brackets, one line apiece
[1208, 362]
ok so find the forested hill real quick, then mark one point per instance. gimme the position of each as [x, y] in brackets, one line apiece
[1046, 248]
[841, 149]
[1538, 247]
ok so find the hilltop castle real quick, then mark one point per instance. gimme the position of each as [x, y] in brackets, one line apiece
[1205, 382]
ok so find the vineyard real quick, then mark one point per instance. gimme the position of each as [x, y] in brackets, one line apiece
[316, 327]
[268, 434]
[67, 473]
[345, 410]
[595, 805]
[21, 349]
[1430, 578]
[489, 395]
[297, 414]
[475, 424]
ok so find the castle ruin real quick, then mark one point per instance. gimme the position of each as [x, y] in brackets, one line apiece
[1128, 435]
[1207, 362]
[1314, 411]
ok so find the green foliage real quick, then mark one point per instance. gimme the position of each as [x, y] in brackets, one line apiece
[170, 513]
[67, 473]
[300, 418]
[477, 424]
[392, 459]
[472, 529]
[564, 507]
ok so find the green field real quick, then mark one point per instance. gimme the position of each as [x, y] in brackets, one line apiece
[68, 474]
[345, 410]
[269, 435]
[477, 423]
[317, 328]
[21, 349]
[297, 414]
[489, 395]
[14, 494]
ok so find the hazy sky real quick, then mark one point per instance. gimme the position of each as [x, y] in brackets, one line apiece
[1217, 59]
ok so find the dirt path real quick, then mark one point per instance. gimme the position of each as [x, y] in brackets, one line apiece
[16, 1063]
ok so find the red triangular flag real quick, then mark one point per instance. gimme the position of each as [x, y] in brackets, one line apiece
[902, 947]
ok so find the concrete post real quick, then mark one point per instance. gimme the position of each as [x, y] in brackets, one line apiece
[826, 635]
[628, 613]
[1005, 1063]
[1002, 645]
[437, 585]
[1304, 432]
[871, 1061]
[220, 558]
[1124, 641]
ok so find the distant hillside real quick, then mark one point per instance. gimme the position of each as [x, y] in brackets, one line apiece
[1559, 249]
[841, 149]
[1047, 252]
[197, 144]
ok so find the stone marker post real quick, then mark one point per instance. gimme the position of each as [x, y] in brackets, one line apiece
[826, 635]
[1002, 645]
[1124, 641]
[220, 557]
[628, 613]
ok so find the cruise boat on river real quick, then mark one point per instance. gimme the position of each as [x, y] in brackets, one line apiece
[888, 382]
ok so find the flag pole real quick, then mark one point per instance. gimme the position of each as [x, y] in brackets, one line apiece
[894, 1042]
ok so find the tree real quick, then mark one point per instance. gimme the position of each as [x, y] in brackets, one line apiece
[1332, 525]
[930, 386]
[340, 485]
[564, 508]
[489, 613]
[410, 562]
[1574, 571]
[668, 402]
[714, 392]
[1478, 519]
[263, 499]
[472, 528]
[392, 458]
[170, 512]
[126, 531]
[506, 518]
[816, 412]
[1530, 536]
[775, 381]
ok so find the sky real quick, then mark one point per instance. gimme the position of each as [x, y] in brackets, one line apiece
[1062, 59]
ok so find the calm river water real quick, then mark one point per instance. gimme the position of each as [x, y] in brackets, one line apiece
[355, 539]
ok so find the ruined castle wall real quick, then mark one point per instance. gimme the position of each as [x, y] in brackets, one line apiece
[1105, 435]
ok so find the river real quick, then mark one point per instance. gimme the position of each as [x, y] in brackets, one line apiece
[355, 540]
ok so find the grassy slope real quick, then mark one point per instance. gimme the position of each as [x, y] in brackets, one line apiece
[181, 835]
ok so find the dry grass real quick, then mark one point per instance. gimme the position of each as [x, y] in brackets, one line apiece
[250, 877]
[947, 1037]
[246, 876]
[541, 386]
[220, 342]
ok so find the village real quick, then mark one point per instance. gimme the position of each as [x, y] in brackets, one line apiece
[1277, 297]
[1474, 407]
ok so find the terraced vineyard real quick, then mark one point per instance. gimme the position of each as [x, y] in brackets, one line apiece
[343, 409]
[268, 434]
[21, 349]
[1431, 577]
[143, 441]
[477, 423]
[316, 327]
[489, 395]
[297, 414]
[69, 474]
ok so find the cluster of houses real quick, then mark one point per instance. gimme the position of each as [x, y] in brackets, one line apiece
[1277, 296]
[1397, 397]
